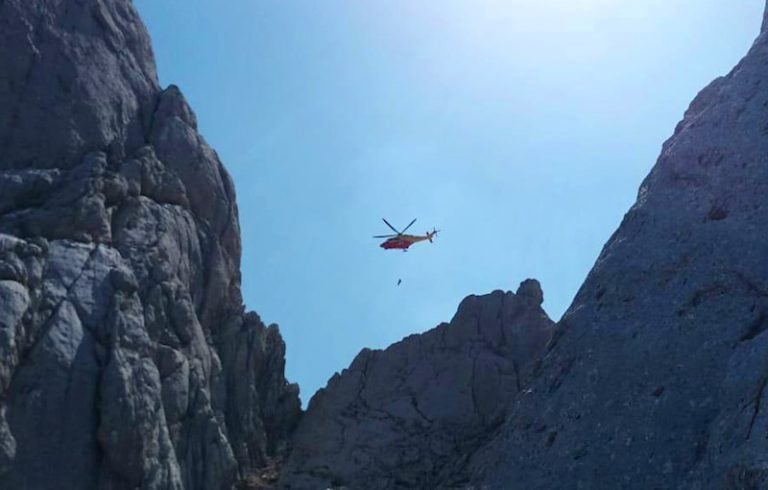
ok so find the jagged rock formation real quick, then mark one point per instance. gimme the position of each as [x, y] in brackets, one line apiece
[126, 360]
[409, 416]
[657, 377]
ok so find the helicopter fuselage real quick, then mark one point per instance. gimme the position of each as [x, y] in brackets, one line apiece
[402, 242]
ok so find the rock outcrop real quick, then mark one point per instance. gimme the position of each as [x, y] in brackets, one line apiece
[126, 359]
[657, 375]
[409, 416]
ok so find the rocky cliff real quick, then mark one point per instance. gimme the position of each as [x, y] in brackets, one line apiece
[655, 377]
[409, 416]
[126, 360]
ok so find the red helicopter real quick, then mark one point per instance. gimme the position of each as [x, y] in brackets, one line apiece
[402, 241]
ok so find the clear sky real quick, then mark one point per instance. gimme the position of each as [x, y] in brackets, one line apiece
[520, 128]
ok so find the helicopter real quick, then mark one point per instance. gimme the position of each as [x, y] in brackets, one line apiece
[402, 241]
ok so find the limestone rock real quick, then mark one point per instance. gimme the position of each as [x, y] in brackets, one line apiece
[654, 378]
[123, 342]
[408, 416]
[657, 376]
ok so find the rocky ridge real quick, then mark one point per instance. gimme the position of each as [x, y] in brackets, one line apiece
[409, 416]
[657, 375]
[654, 378]
[126, 359]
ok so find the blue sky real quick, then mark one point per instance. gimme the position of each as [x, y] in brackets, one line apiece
[521, 128]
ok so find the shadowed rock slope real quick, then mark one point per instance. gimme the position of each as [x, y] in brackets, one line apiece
[658, 372]
[655, 377]
[409, 416]
[126, 360]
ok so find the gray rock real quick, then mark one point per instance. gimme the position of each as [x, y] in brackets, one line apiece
[126, 360]
[253, 360]
[654, 378]
[409, 416]
[14, 299]
[74, 79]
[657, 376]
[119, 292]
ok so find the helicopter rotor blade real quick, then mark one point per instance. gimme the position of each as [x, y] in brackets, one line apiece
[384, 236]
[393, 228]
[409, 225]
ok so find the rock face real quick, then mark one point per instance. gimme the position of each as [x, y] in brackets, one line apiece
[657, 376]
[126, 360]
[408, 416]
